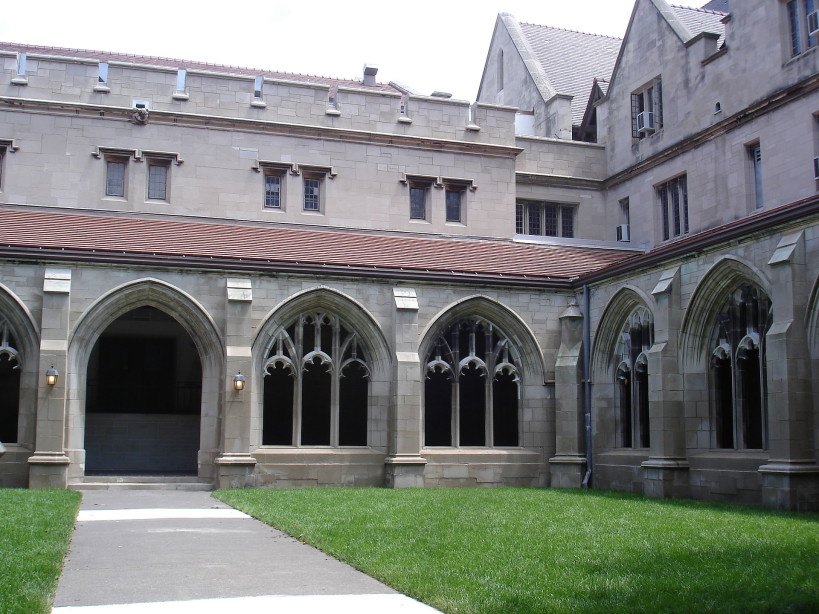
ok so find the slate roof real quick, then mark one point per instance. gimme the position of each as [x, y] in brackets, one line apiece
[572, 60]
[119, 238]
[702, 20]
[108, 56]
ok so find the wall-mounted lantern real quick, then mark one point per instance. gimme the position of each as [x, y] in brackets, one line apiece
[51, 376]
[239, 381]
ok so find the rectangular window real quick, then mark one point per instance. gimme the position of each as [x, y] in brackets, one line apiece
[802, 20]
[102, 75]
[454, 203]
[419, 194]
[519, 225]
[115, 176]
[312, 193]
[258, 87]
[647, 109]
[22, 61]
[2, 164]
[793, 24]
[810, 22]
[158, 179]
[181, 78]
[755, 161]
[544, 219]
[673, 199]
[272, 191]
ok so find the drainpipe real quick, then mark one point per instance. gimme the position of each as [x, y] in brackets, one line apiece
[587, 384]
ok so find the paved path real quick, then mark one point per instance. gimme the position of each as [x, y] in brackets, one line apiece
[151, 552]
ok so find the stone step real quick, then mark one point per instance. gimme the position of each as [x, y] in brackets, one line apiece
[141, 482]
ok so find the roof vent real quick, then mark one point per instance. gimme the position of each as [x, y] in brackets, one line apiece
[441, 94]
[370, 72]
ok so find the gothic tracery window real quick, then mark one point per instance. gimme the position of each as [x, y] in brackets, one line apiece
[471, 388]
[9, 384]
[316, 385]
[737, 370]
[636, 339]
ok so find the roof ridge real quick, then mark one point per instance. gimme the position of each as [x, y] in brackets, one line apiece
[699, 9]
[526, 23]
[146, 59]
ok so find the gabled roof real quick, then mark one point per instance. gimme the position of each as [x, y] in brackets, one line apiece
[572, 60]
[702, 20]
[685, 22]
[126, 238]
[109, 56]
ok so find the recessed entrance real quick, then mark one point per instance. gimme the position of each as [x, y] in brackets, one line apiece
[143, 397]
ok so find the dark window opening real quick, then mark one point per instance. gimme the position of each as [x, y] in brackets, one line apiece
[472, 408]
[352, 406]
[277, 418]
[438, 410]
[9, 398]
[505, 410]
[315, 405]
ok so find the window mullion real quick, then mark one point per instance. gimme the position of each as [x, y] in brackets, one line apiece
[334, 386]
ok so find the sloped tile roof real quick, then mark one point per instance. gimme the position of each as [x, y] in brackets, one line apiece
[108, 56]
[105, 235]
[702, 20]
[572, 60]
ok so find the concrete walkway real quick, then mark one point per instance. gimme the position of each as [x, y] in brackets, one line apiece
[154, 552]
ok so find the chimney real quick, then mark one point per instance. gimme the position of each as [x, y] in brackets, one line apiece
[370, 72]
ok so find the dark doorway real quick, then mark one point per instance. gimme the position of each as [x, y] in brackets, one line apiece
[143, 397]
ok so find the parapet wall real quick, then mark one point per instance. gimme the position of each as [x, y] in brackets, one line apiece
[226, 94]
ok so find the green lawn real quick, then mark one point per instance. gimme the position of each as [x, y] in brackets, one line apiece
[35, 529]
[515, 550]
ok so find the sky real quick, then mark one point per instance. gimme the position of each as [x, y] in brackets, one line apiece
[427, 45]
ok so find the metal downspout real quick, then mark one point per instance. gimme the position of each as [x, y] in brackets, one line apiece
[587, 384]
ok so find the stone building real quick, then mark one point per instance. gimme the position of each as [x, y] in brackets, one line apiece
[603, 272]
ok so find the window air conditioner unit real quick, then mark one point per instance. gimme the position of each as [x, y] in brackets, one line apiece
[623, 233]
[816, 168]
[813, 23]
[645, 122]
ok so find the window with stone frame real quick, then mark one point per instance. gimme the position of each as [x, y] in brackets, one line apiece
[738, 375]
[544, 219]
[803, 19]
[159, 170]
[672, 197]
[419, 191]
[116, 175]
[9, 384]
[455, 200]
[647, 109]
[472, 387]
[316, 384]
[631, 380]
[2, 164]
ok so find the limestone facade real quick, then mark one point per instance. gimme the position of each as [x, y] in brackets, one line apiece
[411, 293]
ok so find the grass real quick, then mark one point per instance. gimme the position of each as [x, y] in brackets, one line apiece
[35, 529]
[520, 550]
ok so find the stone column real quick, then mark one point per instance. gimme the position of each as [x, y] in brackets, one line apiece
[235, 465]
[48, 466]
[790, 478]
[569, 463]
[666, 470]
[405, 465]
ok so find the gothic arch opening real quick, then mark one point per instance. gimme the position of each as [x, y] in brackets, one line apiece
[143, 396]
[10, 370]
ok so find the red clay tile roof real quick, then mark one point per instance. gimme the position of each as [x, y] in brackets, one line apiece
[108, 56]
[103, 236]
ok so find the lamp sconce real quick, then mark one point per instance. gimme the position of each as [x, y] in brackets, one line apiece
[239, 381]
[51, 376]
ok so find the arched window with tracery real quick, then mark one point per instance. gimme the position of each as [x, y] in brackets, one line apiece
[316, 384]
[636, 338]
[472, 387]
[9, 384]
[737, 370]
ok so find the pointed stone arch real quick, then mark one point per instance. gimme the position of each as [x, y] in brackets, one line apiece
[624, 302]
[727, 274]
[812, 322]
[521, 336]
[25, 332]
[365, 333]
[197, 323]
